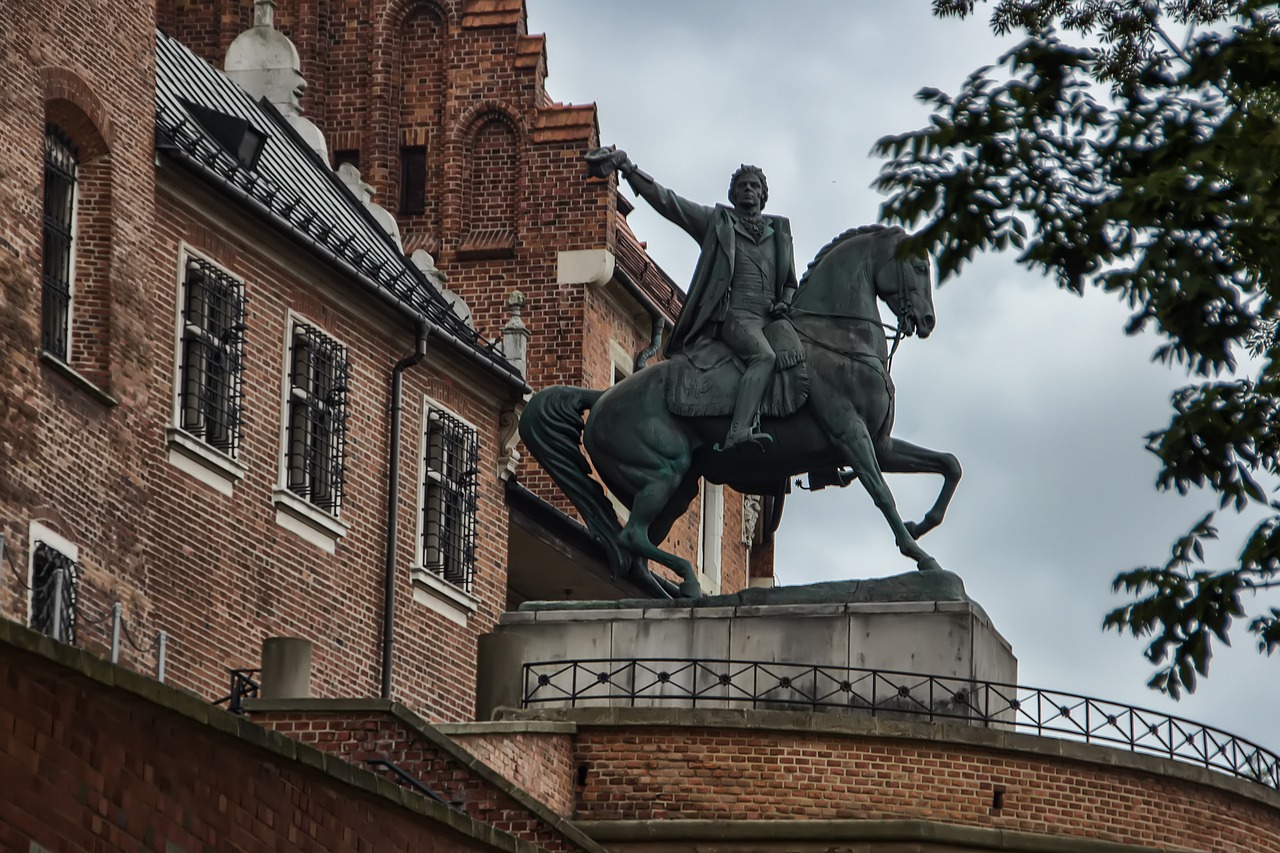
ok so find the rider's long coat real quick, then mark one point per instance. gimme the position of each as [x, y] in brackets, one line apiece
[713, 228]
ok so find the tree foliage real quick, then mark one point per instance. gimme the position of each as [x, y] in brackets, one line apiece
[1134, 146]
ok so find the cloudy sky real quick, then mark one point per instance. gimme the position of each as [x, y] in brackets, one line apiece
[1038, 392]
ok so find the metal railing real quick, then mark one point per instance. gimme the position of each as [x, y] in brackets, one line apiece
[711, 683]
[243, 686]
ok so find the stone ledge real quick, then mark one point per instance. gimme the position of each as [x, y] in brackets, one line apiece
[821, 833]
[854, 725]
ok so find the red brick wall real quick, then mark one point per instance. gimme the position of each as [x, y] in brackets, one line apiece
[202, 561]
[90, 767]
[356, 736]
[541, 764]
[500, 155]
[660, 773]
[69, 459]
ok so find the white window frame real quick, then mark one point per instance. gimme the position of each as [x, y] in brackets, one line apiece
[313, 523]
[188, 452]
[429, 588]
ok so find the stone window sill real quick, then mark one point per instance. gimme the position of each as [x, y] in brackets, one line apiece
[313, 524]
[436, 593]
[77, 379]
[211, 467]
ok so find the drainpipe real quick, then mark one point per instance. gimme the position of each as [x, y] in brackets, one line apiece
[656, 317]
[393, 505]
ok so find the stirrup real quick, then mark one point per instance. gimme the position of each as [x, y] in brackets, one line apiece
[756, 438]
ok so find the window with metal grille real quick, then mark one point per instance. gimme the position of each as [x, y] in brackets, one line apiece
[53, 593]
[315, 430]
[449, 498]
[60, 163]
[212, 348]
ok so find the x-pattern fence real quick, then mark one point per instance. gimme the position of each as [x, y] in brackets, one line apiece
[782, 686]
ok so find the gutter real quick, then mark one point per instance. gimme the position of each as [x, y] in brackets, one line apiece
[393, 505]
[509, 378]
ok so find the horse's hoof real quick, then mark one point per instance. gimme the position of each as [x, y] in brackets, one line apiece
[690, 589]
[928, 564]
[912, 527]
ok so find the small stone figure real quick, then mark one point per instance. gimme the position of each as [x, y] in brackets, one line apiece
[745, 278]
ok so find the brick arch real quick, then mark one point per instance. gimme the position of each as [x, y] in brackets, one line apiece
[489, 143]
[72, 106]
[385, 98]
[70, 103]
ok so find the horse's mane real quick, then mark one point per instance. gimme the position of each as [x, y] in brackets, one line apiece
[876, 229]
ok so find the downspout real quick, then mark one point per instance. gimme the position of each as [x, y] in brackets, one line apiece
[659, 321]
[393, 505]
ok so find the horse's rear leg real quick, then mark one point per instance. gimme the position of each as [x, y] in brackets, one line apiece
[903, 457]
[650, 502]
[861, 454]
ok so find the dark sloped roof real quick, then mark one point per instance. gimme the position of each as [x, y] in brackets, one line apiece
[297, 189]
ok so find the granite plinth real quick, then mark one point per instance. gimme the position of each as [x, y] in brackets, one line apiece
[713, 654]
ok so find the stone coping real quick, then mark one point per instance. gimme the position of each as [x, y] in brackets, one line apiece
[822, 833]
[166, 699]
[673, 610]
[507, 727]
[866, 726]
[435, 735]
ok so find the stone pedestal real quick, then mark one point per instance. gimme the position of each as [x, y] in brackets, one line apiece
[822, 656]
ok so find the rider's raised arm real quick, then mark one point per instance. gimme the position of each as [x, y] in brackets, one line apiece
[692, 217]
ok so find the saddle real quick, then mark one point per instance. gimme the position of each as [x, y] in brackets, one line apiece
[703, 380]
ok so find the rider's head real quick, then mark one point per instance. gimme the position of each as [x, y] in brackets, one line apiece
[748, 189]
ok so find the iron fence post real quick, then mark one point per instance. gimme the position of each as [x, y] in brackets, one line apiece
[116, 615]
[162, 647]
[58, 580]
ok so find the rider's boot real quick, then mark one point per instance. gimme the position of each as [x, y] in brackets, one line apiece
[754, 383]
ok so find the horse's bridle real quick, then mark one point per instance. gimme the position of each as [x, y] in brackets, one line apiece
[898, 332]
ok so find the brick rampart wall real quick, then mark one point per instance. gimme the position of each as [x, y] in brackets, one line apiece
[539, 763]
[356, 736]
[733, 773]
[97, 758]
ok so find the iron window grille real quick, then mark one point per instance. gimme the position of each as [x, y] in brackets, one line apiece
[315, 444]
[53, 593]
[213, 326]
[449, 499]
[60, 165]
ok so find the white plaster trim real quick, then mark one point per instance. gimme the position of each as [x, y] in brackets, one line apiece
[584, 266]
[308, 521]
[441, 596]
[211, 467]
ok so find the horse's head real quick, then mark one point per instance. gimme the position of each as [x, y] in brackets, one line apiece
[905, 286]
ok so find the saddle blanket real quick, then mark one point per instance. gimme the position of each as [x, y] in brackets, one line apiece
[704, 380]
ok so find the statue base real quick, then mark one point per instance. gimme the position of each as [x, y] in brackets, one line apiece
[797, 648]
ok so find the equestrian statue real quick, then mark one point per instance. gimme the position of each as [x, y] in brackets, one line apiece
[766, 377]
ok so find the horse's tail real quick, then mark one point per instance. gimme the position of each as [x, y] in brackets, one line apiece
[551, 427]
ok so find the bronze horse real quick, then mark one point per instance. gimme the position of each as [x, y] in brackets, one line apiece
[652, 460]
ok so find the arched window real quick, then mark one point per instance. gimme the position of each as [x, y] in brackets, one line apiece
[61, 163]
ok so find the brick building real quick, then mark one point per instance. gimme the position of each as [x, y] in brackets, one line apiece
[221, 355]
[241, 399]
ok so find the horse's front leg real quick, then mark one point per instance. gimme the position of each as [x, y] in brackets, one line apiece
[855, 442]
[903, 457]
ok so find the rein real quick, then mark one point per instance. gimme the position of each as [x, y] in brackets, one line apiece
[896, 335]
